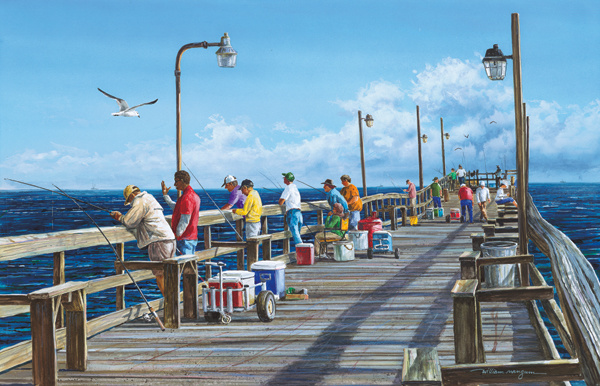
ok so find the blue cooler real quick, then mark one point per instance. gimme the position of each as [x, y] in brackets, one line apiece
[272, 272]
[441, 212]
[382, 241]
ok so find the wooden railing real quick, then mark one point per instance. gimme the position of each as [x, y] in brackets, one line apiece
[46, 305]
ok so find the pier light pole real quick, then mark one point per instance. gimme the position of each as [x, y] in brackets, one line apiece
[495, 68]
[226, 57]
[443, 151]
[419, 138]
[369, 121]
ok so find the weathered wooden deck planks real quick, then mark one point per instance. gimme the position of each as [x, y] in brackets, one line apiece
[352, 330]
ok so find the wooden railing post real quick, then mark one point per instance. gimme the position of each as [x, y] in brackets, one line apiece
[59, 278]
[190, 290]
[252, 249]
[171, 271]
[286, 242]
[120, 295]
[239, 227]
[266, 244]
[468, 264]
[319, 217]
[467, 323]
[207, 245]
[403, 210]
[43, 304]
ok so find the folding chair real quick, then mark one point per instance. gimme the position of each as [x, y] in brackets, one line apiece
[325, 243]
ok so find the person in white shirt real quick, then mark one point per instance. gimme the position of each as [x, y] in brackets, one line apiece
[461, 173]
[291, 198]
[482, 196]
[503, 198]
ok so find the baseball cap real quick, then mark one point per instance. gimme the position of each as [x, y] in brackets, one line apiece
[228, 179]
[248, 183]
[482, 183]
[289, 176]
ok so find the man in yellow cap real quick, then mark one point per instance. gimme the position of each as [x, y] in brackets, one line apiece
[152, 229]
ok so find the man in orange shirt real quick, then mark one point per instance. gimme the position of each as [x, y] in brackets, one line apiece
[350, 193]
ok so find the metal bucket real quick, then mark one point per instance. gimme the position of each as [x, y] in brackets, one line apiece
[500, 275]
[343, 250]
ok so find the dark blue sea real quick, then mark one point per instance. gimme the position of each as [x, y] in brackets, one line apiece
[572, 208]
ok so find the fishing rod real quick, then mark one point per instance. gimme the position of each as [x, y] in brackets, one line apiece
[162, 327]
[213, 201]
[318, 190]
[273, 182]
[54, 191]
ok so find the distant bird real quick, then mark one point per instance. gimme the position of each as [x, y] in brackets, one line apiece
[492, 122]
[458, 148]
[124, 109]
[466, 135]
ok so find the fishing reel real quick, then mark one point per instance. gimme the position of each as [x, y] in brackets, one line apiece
[148, 318]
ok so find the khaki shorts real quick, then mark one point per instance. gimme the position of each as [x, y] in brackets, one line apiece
[159, 251]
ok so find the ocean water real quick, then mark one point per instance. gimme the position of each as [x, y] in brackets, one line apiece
[572, 208]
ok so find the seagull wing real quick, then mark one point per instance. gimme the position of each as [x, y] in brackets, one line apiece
[147, 103]
[122, 104]
[492, 122]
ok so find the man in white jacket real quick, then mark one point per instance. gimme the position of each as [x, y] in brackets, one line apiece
[483, 197]
[152, 230]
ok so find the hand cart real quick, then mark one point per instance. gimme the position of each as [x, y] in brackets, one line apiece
[216, 312]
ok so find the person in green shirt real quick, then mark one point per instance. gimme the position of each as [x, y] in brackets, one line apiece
[452, 179]
[333, 229]
[436, 193]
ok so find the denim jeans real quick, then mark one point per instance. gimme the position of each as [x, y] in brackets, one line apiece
[186, 247]
[437, 202]
[294, 221]
[464, 205]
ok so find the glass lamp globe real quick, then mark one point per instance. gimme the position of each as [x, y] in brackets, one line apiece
[494, 63]
[226, 55]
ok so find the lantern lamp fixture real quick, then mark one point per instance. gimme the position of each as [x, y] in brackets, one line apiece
[369, 120]
[495, 63]
[424, 138]
[447, 135]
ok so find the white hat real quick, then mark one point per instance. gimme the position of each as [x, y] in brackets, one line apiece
[505, 182]
[482, 183]
[463, 185]
[228, 179]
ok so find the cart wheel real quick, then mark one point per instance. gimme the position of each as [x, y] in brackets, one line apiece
[265, 306]
[447, 218]
[225, 319]
[397, 253]
[369, 253]
[462, 218]
[211, 316]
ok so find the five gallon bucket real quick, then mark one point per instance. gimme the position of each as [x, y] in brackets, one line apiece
[343, 250]
[360, 239]
[429, 213]
[499, 275]
[438, 212]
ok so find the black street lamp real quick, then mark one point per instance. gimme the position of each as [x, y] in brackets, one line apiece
[226, 57]
[495, 68]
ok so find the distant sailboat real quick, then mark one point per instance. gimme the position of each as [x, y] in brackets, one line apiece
[93, 187]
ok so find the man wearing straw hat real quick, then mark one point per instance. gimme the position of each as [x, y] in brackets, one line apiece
[333, 196]
[152, 229]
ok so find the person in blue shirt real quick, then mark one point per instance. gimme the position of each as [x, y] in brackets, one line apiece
[333, 196]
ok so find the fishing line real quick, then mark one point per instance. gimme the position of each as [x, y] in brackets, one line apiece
[162, 327]
[273, 182]
[213, 201]
[318, 190]
[64, 194]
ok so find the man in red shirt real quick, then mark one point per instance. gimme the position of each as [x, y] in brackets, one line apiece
[465, 194]
[186, 211]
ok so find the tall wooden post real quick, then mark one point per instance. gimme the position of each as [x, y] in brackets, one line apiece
[171, 271]
[443, 152]
[362, 160]
[520, 134]
[420, 157]
[239, 226]
[190, 289]
[207, 245]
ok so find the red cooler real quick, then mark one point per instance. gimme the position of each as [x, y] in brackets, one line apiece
[305, 254]
[371, 224]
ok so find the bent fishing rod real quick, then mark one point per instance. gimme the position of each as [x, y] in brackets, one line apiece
[61, 193]
[312, 187]
[213, 201]
[162, 327]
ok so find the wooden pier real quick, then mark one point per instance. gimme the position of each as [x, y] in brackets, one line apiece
[359, 317]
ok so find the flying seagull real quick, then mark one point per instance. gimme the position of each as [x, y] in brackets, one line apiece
[466, 135]
[124, 109]
[492, 122]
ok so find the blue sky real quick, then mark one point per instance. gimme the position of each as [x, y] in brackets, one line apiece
[304, 70]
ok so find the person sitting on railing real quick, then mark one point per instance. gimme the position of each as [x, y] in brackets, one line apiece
[333, 229]
[352, 197]
[152, 229]
[504, 198]
[333, 196]
[465, 195]
[252, 209]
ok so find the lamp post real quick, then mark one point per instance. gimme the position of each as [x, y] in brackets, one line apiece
[443, 151]
[226, 57]
[419, 138]
[495, 68]
[369, 121]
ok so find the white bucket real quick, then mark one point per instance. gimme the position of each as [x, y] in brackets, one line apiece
[360, 239]
[343, 250]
